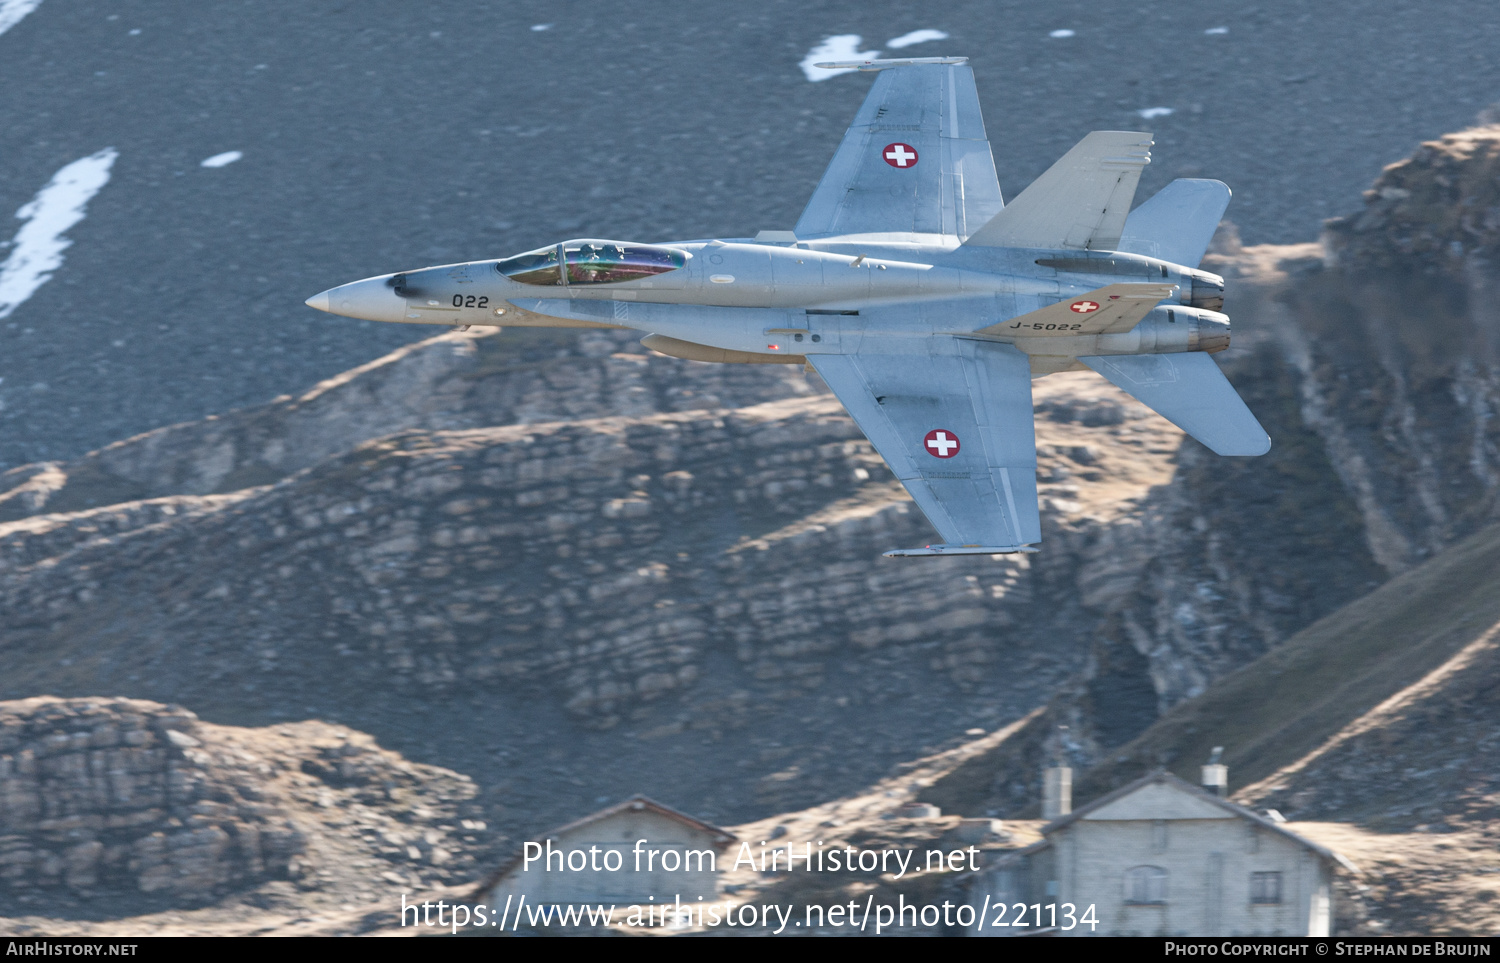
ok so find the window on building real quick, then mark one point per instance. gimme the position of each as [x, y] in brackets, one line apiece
[1146, 885]
[1252, 839]
[1265, 888]
[1159, 836]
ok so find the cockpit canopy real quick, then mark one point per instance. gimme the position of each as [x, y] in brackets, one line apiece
[591, 262]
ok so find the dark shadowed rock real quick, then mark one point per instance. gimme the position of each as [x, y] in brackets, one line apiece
[1436, 210]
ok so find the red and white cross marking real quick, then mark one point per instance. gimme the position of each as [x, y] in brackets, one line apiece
[941, 444]
[1083, 307]
[900, 155]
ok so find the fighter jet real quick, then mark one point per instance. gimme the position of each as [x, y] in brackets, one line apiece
[925, 303]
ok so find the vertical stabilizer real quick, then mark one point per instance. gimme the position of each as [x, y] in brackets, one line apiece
[1081, 202]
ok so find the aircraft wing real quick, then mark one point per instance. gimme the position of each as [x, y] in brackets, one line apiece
[1112, 309]
[1080, 202]
[915, 159]
[953, 420]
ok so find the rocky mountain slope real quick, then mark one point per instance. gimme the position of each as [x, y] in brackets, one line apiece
[542, 559]
[1377, 712]
[1397, 678]
[451, 381]
[704, 577]
[116, 807]
[1377, 380]
[1380, 717]
[1437, 210]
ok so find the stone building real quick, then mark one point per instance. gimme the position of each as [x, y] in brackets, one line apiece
[637, 851]
[1161, 857]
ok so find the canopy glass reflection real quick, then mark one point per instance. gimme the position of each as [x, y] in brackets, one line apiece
[591, 262]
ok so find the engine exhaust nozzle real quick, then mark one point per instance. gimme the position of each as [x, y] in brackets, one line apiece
[1212, 334]
[1206, 291]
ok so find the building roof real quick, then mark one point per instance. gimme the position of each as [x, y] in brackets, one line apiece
[637, 803]
[640, 803]
[1162, 777]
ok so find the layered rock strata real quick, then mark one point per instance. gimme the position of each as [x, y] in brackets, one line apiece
[120, 793]
[705, 539]
[125, 804]
[452, 381]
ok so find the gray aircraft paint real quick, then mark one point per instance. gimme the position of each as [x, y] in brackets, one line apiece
[924, 301]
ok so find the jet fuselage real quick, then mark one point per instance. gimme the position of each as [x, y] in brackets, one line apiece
[783, 300]
[924, 302]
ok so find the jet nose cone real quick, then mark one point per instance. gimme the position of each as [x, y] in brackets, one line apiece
[373, 299]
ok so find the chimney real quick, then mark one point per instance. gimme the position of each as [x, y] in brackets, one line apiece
[1216, 774]
[1057, 791]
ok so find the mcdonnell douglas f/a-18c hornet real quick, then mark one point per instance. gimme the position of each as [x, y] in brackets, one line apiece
[925, 302]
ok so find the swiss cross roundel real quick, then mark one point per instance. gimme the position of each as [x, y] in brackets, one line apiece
[900, 155]
[1084, 307]
[940, 443]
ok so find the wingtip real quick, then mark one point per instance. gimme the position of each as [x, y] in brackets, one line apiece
[930, 550]
[1246, 450]
[879, 64]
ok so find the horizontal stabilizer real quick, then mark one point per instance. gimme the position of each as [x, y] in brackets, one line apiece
[1177, 223]
[1113, 309]
[1192, 393]
[1081, 202]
